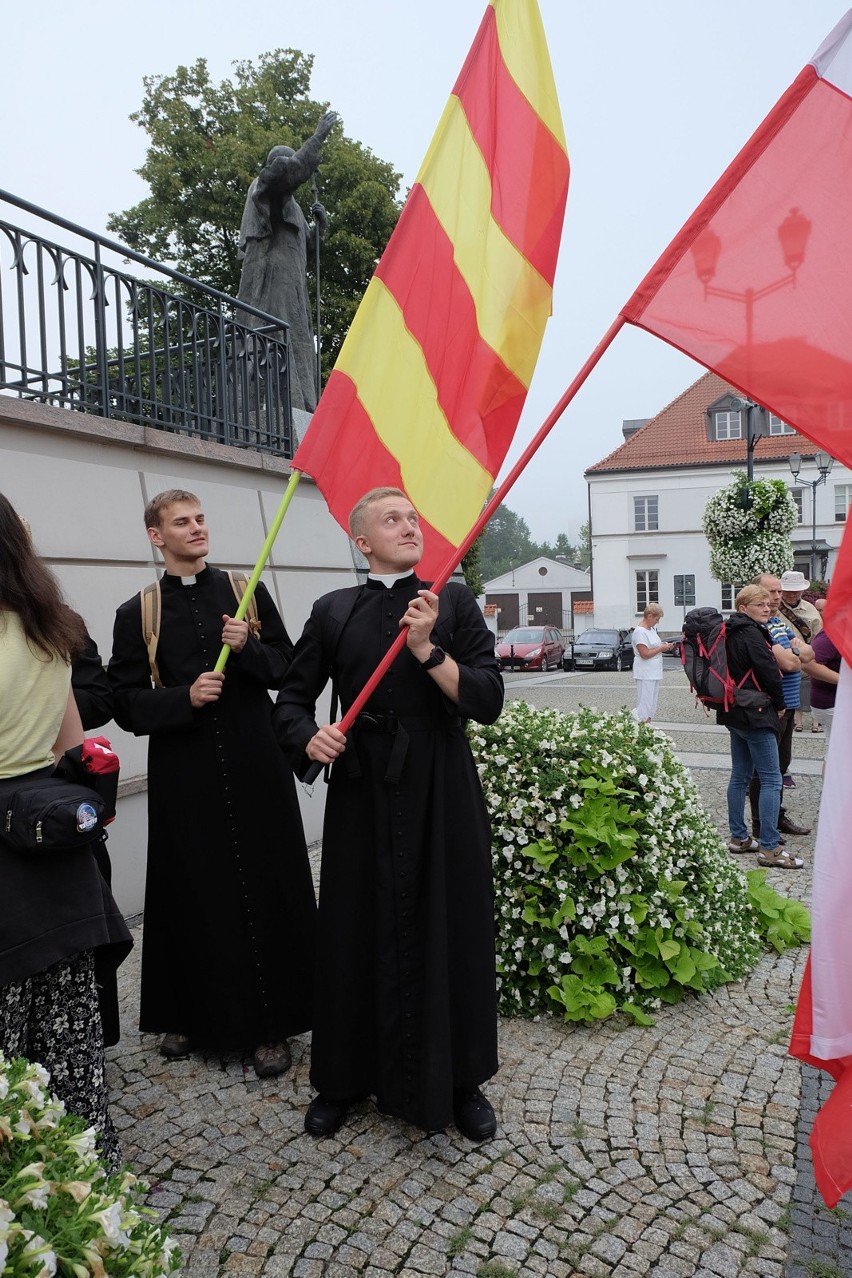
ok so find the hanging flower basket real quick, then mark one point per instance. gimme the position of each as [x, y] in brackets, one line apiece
[748, 526]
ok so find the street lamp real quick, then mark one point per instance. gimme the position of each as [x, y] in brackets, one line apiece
[753, 431]
[706, 250]
[824, 464]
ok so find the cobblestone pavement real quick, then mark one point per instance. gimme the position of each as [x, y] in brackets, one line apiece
[672, 1150]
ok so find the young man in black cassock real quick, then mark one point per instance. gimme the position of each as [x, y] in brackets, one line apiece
[405, 997]
[228, 942]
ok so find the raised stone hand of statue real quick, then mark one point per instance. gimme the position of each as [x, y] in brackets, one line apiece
[319, 214]
[326, 124]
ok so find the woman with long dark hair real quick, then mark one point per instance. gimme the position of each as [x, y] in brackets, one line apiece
[56, 907]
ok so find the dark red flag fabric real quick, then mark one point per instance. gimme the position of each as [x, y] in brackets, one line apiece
[758, 283]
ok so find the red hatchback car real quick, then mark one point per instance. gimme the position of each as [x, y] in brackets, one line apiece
[531, 648]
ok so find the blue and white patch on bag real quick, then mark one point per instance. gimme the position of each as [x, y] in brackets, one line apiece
[87, 818]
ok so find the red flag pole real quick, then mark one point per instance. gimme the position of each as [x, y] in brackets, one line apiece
[459, 554]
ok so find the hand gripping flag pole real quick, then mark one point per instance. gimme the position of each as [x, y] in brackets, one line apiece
[265, 552]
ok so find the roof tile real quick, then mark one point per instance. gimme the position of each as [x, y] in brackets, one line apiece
[677, 436]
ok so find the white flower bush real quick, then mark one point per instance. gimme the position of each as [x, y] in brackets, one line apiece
[748, 526]
[613, 888]
[60, 1213]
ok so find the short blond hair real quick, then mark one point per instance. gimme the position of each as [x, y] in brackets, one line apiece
[358, 514]
[751, 594]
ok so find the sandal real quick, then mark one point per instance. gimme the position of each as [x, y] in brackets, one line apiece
[781, 861]
[798, 728]
[816, 727]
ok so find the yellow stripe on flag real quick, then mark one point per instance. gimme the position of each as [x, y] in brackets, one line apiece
[443, 480]
[524, 50]
[512, 300]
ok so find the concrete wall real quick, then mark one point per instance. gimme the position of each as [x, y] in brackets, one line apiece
[82, 482]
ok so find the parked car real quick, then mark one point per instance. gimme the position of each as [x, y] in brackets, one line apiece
[600, 650]
[531, 648]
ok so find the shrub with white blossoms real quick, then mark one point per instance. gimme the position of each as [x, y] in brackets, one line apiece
[60, 1213]
[613, 888]
[748, 526]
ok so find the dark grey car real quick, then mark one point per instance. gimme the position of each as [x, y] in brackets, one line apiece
[600, 649]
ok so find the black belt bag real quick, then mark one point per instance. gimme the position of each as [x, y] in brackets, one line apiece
[47, 814]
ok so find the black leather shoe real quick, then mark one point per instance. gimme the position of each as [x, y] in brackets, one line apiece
[325, 1116]
[473, 1115]
[271, 1059]
[786, 826]
[174, 1045]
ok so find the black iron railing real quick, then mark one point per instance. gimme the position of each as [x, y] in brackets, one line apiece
[79, 332]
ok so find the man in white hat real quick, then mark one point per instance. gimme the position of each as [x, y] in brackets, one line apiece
[806, 622]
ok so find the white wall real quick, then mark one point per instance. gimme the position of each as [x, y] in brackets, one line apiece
[679, 546]
[83, 484]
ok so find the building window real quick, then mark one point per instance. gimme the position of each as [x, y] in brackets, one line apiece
[777, 427]
[842, 501]
[645, 514]
[728, 425]
[728, 592]
[798, 495]
[647, 588]
[684, 590]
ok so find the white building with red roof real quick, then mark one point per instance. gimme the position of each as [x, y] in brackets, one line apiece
[647, 499]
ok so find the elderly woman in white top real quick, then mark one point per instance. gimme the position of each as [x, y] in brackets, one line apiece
[57, 908]
[648, 663]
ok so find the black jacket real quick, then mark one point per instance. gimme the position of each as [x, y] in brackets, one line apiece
[748, 646]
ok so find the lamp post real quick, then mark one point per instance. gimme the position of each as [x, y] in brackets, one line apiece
[824, 464]
[793, 235]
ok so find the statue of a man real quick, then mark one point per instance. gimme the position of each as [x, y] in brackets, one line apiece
[275, 239]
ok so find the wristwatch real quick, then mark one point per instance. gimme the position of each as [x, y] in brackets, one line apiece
[435, 658]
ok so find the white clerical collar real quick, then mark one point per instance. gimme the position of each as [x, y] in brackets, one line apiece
[389, 579]
[188, 581]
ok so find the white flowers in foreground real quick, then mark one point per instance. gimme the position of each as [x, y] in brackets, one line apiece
[60, 1213]
[613, 888]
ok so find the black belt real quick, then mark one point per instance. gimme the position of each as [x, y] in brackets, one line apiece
[391, 725]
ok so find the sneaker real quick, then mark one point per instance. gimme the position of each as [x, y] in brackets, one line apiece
[788, 782]
[742, 845]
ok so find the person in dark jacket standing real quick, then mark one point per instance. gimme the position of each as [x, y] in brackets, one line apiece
[228, 943]
[754, 723]
[405, 1006]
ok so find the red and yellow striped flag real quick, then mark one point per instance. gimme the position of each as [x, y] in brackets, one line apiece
[431, 379]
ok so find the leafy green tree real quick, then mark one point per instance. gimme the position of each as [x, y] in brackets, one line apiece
[584, 547]
[506, 543]
[208, 141]
[472, 567]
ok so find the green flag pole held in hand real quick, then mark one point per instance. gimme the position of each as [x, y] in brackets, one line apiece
[265, 552]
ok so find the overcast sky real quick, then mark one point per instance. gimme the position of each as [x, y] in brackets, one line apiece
[657, 96]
